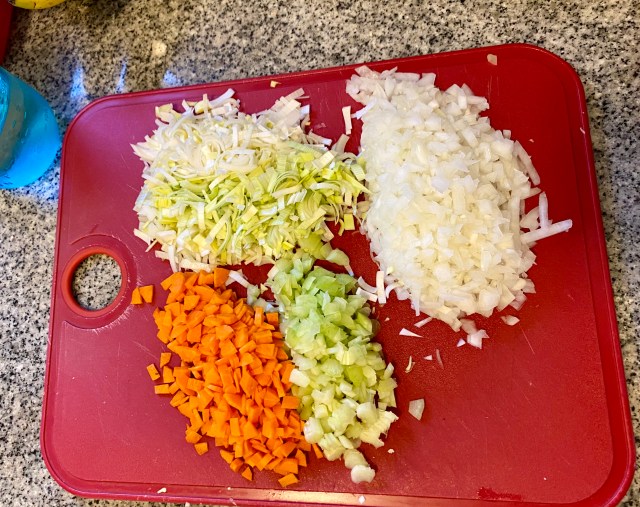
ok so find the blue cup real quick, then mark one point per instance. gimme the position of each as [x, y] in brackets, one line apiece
[29, 133]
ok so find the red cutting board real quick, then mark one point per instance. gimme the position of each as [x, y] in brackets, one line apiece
[539, 416]
[5, 26]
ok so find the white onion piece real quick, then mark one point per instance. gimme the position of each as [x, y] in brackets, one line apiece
[416, 408]
[422, 322]
[410, 365]
[510, 320]
[428, 358]
[461, 342]
[468, 326]
[365, 286]
[476, 338]
[543, 210]
[368, 295]
[406, 332]
[380, 290]
[346, 115]
[538, 234]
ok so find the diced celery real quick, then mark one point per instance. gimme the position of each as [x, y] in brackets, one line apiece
[345, 384]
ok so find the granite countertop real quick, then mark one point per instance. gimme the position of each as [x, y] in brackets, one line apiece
[83, 50]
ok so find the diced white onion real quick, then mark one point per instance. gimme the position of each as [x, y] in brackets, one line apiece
[447, 197]
[365, 286]
[346, 114]
[410, 365]
[476, 338]
[416, 408]
[368, 295]
[382, 298]
[510, 320]
[543, 209]
[422, 322]
[406, 332]
[538, 234]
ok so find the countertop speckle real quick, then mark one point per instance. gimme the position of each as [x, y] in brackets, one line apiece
[83, 50]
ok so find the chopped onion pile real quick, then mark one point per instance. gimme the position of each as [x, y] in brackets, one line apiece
[447, 197]
[223, 187]
[343, 382]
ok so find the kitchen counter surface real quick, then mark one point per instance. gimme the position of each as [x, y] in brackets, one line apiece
[83, 50]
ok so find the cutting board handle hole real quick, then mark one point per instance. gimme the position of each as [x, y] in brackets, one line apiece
[96, 281]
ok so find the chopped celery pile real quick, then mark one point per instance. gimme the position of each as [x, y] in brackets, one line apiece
[344, 384]
[222, 187]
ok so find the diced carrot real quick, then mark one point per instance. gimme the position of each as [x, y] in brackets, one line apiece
[290, 402]
[178, 398]
[259, 316]
[301, 457]
[193, 437]
[162, 389]
[201, 448]
[136, 297]
[194, 335]
[248, 383]
[220, 276]
[167, 375]
[286, 370]
[266, 350]
[304, 445]
[250, 431]
[273, 463]
[226, 455]
[317, 451]
[287, 480]
[278, 385]
[190, 280]
[273, 318]
[146, 292]
[236, 464]
[165, 358]
[190, 302]
[247, 474]
[270, 398]
[285, 449]
[264, 461]
[286, 466]
[153, 372]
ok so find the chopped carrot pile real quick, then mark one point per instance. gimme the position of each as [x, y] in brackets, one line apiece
[232, 382]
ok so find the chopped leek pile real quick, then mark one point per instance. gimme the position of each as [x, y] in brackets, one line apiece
[344, 384]
[223, 187]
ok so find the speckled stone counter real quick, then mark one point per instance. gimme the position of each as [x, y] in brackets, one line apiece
[83, 50]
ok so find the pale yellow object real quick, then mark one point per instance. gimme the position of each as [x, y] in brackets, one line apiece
[34, 4]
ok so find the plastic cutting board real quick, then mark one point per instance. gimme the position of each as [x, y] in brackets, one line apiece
[5, 26]
[538, 416]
